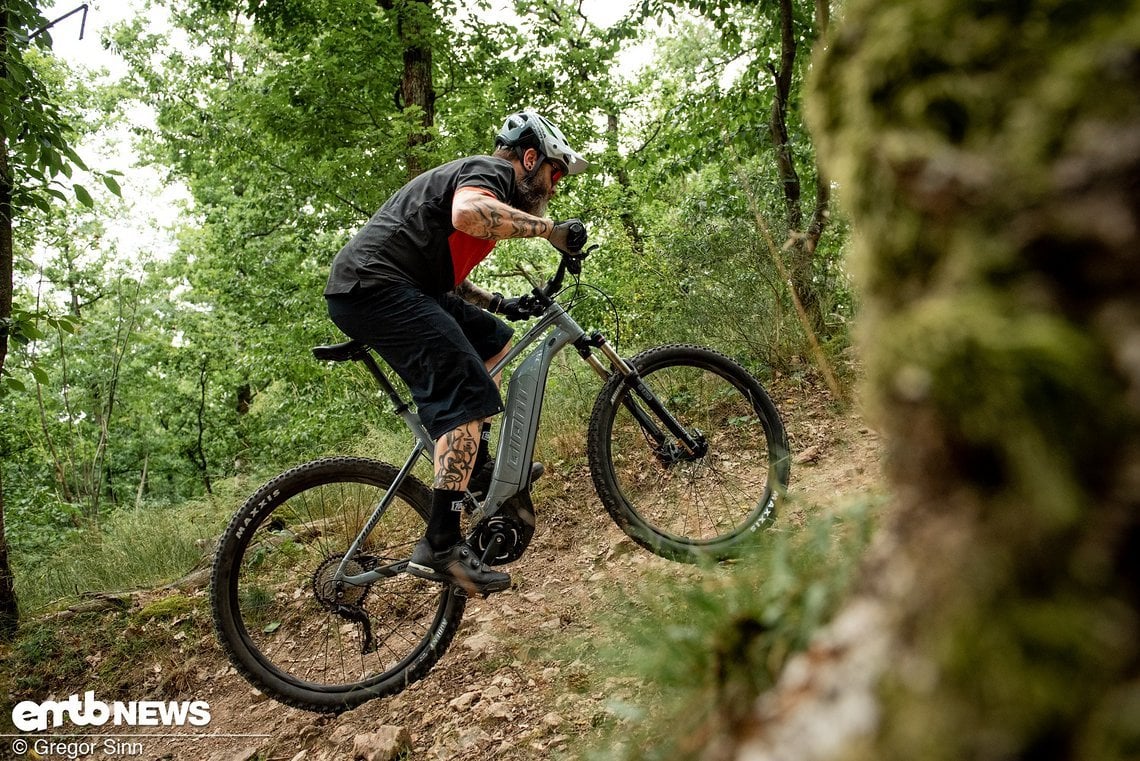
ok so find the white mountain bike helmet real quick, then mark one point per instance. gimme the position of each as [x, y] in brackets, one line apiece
[527, 129]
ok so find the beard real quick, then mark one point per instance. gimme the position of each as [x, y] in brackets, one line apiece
[532, 195]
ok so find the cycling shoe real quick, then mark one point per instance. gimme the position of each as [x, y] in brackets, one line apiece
[457, 565]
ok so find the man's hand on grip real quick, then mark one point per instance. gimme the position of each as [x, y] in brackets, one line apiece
[569, 236]
[517, 308]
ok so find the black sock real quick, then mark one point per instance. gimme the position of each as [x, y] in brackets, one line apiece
[484, 452]
[443, 525]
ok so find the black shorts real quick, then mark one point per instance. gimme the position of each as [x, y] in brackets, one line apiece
[438, 346]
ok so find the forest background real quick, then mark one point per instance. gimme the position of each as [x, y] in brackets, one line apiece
[141, 379]
[988, 154]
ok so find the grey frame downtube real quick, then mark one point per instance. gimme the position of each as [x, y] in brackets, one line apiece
[526, 390]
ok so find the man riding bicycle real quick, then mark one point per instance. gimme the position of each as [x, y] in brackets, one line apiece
[401, 286]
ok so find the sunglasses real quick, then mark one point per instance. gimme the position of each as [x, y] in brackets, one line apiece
[558, 170]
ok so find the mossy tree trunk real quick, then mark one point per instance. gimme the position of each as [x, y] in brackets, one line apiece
[803, 239]
[989, 155]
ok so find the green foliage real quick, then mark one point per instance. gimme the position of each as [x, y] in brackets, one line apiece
[38, 125]
[706, 646]
[35, 151]
[139, 384]
[120, 652]
[24, 327]
[131, 549]
[39, 644]
[149, 394]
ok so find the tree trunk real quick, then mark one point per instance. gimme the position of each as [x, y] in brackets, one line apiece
[9, 609]
[197, 453]
[414, 23]
[989, 155]
[9, 605]
[803, 240]
[778, 119]
[244, 399]
[628, 222]
[141, 491]
[417, 90]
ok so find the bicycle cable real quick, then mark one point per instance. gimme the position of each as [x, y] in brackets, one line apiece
[574, 298]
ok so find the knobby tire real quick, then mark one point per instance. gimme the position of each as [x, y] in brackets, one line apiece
[274, 599]
[690, 508]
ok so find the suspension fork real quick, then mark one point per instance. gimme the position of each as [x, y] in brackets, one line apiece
[692, 446]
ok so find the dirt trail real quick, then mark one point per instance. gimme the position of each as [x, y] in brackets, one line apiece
[511, 686]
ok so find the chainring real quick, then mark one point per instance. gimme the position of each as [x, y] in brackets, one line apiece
[514, 522]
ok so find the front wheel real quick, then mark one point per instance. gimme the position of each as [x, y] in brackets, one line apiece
[681, 504]
[284, 614]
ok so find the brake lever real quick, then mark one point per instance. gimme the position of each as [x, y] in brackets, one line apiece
[574, 261]
[571, 263]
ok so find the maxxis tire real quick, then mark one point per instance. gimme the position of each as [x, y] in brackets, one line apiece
[259, 511]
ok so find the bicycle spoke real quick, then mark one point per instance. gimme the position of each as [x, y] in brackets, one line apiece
[298, 622]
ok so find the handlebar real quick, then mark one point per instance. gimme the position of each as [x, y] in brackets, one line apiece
[571, 262]
[542, 297]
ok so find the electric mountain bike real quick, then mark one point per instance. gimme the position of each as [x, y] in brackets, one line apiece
[310, 594]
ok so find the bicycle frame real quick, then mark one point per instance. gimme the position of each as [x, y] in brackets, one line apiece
[526, 390]
[690, 492]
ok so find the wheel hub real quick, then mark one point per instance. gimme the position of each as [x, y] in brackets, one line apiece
[672, 453]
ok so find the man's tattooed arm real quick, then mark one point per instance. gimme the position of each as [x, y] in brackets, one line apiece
[482, 216]
[473, 294]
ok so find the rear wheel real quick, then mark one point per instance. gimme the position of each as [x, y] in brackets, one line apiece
[680, 504]
[285, 621]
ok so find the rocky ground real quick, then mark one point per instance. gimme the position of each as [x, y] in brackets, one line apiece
[518, 681]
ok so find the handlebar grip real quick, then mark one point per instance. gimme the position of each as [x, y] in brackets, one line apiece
[576, 236]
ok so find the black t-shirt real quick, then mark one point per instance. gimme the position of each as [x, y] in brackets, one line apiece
[411, 238]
